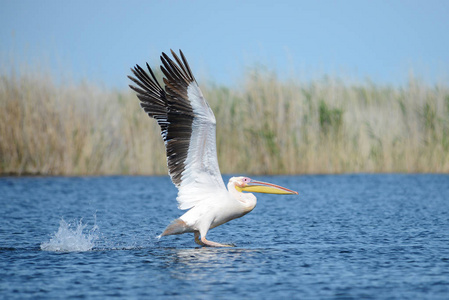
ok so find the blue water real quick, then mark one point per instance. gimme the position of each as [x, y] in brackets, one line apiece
[343, 237]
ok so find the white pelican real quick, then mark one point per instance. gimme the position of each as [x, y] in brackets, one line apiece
[188, 130]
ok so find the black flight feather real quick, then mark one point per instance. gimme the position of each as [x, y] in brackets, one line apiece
[170, 107]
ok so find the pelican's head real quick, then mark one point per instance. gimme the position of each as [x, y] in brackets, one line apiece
[245, 184]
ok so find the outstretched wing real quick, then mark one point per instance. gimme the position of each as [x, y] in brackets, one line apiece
[187, 127]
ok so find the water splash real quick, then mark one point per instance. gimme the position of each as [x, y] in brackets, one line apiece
[71, 239]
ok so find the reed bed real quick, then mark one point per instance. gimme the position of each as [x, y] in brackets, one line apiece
[264, 126]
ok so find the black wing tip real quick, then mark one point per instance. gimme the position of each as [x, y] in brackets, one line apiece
[135, 89]
[173, 52]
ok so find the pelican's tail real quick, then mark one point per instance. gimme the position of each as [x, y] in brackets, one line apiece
[178, 226]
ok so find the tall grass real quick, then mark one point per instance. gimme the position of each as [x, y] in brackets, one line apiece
[264, 126]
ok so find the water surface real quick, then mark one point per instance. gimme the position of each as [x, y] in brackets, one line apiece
[343, 237]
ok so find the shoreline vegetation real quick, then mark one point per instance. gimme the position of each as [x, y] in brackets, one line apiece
[264, 126]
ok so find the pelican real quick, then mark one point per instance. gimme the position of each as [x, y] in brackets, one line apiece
[188, 129]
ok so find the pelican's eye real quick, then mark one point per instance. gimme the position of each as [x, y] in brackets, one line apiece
[246, 180]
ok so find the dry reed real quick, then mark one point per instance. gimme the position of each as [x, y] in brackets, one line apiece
[264, 126]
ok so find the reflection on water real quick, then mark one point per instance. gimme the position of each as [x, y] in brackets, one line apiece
[200, 263]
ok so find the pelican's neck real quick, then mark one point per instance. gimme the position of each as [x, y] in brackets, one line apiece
[247, 200]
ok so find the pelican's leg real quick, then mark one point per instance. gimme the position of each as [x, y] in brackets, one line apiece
[213, 244]
[197, 238]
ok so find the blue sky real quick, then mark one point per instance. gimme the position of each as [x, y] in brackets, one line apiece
[100, 40]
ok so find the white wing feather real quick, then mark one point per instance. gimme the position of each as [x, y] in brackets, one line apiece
[201, 177]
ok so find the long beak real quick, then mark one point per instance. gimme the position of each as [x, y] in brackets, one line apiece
[267, 188]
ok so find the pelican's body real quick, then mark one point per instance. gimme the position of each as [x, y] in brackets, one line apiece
[188, 129]
[225, 206]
